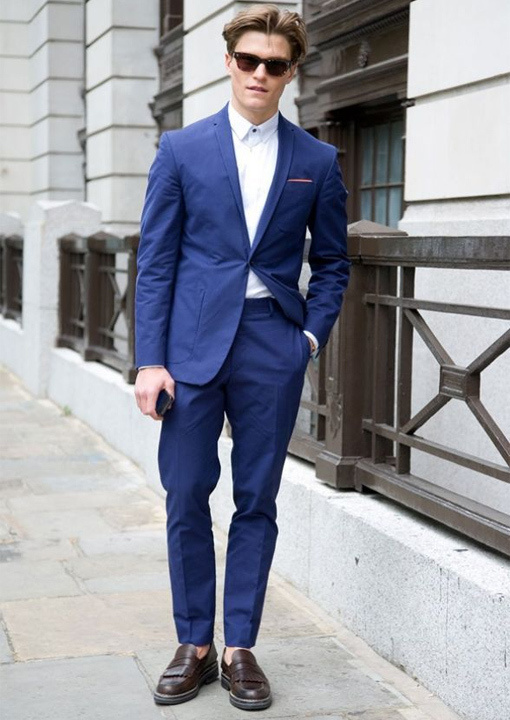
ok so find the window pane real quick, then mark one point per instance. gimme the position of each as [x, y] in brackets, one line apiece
[395, 212]
[367, 155]
[380, 206]
[397, 148]
[366, 205]
[382, 139]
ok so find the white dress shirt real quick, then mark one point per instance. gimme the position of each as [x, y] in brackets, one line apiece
[256, 151]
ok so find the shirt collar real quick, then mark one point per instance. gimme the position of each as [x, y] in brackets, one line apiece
[241, 126]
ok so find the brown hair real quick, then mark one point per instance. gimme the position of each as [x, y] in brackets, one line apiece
[271, 20]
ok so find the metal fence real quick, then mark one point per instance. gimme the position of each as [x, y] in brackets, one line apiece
[96, 304]
[363, 431]
[11, 276]
[356, 421]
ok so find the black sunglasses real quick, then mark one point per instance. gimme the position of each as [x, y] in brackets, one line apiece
[249, 63]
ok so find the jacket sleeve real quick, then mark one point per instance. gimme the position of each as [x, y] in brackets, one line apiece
[328, 259]
[160, 237]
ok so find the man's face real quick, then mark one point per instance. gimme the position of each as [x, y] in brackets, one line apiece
[256, 94]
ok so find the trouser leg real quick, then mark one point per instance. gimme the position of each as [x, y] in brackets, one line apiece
[269, 358]
[189, 469]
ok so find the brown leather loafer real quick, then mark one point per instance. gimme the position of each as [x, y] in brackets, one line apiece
[183, 678]
[249, 687]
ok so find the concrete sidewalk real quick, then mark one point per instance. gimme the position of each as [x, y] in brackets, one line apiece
[86, 625]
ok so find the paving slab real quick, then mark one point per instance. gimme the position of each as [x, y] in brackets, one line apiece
[99, 567]
[11, 529]
[148, 543]
[28, 469]
[54, 524]
[11, 485]
[284, 619]
[90, 624]
[47, 578]
[93, 688]
[48, 549]
[55, 484]
[105, 574]
[135, 514]
[69, 501]
[128, 583]
[6, 655]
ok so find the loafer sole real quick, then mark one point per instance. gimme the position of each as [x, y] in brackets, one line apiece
[208, 677]
[241, 703]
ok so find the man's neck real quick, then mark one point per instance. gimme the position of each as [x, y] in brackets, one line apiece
[255, 118]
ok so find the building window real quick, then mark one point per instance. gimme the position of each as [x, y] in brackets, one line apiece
[170, 15]
[381, 172]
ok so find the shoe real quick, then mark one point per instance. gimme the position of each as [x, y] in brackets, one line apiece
[184, 676]
[249, 687]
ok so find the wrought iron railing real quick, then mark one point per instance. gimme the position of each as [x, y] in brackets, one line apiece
[363, 385]
[96, 308]
[11, 276]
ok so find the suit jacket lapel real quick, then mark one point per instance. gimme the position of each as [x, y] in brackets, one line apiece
[224, 135]
[285, 149]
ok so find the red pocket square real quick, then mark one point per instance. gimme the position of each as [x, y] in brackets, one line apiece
[307, 180]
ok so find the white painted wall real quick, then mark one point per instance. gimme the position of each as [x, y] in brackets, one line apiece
[458, 134]
[458, 144]
[457, 43]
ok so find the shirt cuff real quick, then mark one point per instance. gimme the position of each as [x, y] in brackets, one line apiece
[312, 337]
[143, 367]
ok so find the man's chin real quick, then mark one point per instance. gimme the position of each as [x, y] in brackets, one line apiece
[258, 103]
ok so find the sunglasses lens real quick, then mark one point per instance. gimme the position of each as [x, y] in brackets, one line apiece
[277, 68]
[246, 63]
[249, 63]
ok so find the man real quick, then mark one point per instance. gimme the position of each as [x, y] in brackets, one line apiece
[222, 327]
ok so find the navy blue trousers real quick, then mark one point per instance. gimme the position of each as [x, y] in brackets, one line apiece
[258, 388]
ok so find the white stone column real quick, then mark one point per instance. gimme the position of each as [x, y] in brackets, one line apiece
[15, 179]
[122, 78]
[206, 84]
[56, 33]
[47, 223]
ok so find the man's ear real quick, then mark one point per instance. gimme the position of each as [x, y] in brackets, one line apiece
[293, 72]
[228, 60]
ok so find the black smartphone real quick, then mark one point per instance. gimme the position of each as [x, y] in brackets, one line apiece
[163, 403]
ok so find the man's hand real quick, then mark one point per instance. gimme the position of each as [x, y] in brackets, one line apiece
[149, 382]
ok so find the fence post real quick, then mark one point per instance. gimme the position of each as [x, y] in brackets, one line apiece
[47, 223]
[348, 368]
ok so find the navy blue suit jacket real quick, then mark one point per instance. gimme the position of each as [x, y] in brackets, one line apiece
[195, 254]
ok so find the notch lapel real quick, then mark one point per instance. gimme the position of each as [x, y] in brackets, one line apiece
[285, 150]
[224, 136]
